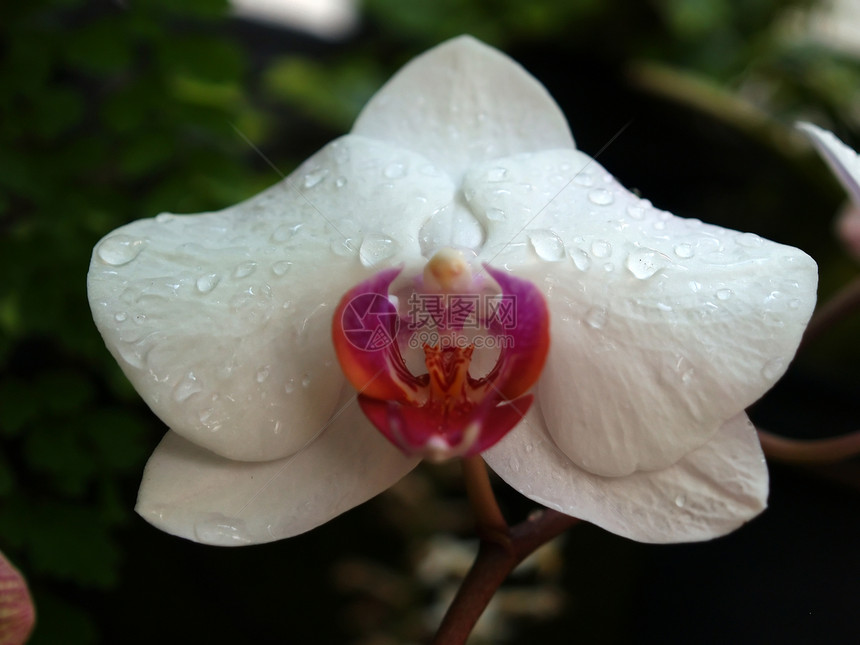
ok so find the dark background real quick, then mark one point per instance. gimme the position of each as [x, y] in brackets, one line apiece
[112, 111]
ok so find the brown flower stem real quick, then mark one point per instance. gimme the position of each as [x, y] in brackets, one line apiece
[502, 549]
[844, 303]
[814, 451]
[488, 515]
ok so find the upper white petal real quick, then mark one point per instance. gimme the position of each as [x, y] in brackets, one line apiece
[709, 493]
[193, 493]
[842, 159]
[222, 321]
[662, 328]
[464, 102]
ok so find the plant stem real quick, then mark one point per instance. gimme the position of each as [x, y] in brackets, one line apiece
[810, 451]
[845, 302]
[502, 549]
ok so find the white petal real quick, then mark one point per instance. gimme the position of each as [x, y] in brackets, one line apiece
[662, 328]
[464, 102]
[841, 159]
[709, 493]
[222, 320]
[195, 494]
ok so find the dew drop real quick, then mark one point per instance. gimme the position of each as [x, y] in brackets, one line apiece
[340, 182]
[262, 374]
[749, 240]
[394, 171]
[724, 294]
[609, 267]
[245, 269]
[600, 196]
[601, 249]
[163, 218]
[315, 177]
[580, 259]
[306, 380]
[794, 304]
[120, 316]
[281, 268]
[773, 368]
[290, 386]
[344, 247]
[547, 245]
[583, 178]
[221, 530]
[375, 249]
[119, 249]
[497, 174]
[205, 283]
[186, 387]
[596, 317]
[684, 250]
[644, 263]
[635, 212]
[680, 501]
[495, 214]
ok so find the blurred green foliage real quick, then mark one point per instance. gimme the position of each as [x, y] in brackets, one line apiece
[111, 112]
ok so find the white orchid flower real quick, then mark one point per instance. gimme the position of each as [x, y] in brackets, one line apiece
[846, 166]
[661, 330]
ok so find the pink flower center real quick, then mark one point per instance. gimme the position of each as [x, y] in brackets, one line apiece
[447, 411]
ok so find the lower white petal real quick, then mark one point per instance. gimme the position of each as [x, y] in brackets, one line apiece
[708, 493]
[196, 494]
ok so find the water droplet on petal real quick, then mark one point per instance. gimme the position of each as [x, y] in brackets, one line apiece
[684, 250]
[644, 263]
[245, 269]
[680, 501]
[205, 283]
[290, 386]
[497, 174]
[773, 369]
[749, 240]
[344, 247]
[119, 249]
[340, 182]
[186, 387]
[580, 259]
[375, 249]
[120, 316]
[583, 178]
[221, 530]
[601, 249]
[306, 380]
[315, 177]
[547, 245]
[495, 214]
[262, 374]
[281, 268]
[600, 196]
[635, 212]
[724, 294]
[596, 317]
[394, 171]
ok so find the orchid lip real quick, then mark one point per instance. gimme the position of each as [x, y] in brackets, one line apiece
[446, 411]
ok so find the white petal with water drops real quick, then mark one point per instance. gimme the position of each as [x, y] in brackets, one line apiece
[193, 493]
[709, 492]
[220, 295]
[646, 362]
